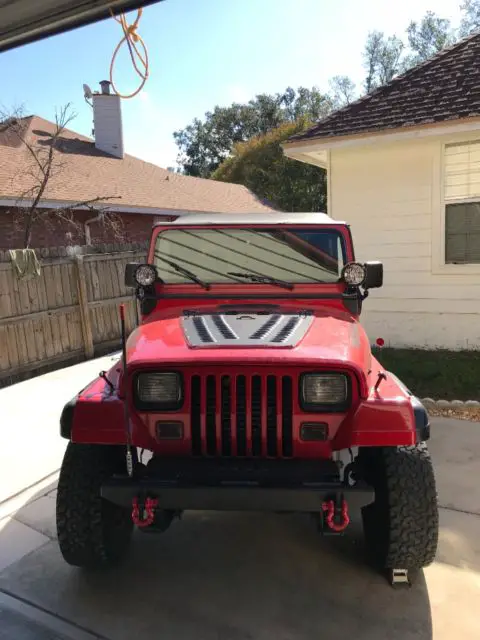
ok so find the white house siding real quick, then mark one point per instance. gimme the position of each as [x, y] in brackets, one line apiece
[392, 197]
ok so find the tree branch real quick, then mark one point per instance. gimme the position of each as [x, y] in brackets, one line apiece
[46, 164]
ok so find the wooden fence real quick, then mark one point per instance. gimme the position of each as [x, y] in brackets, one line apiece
[67, 314]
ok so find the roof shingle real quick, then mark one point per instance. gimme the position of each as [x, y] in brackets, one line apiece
[443, 88]
[85, 173]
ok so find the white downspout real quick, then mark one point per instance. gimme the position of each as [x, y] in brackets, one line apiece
[329, 184]
[88, 236]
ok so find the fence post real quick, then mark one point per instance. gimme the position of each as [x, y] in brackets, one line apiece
[84, 310]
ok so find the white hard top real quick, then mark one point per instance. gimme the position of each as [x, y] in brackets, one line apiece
[247, 219]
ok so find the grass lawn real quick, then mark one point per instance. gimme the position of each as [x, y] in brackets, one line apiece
[441, 374]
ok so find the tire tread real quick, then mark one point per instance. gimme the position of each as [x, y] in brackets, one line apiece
[91, 532]
[406, 508]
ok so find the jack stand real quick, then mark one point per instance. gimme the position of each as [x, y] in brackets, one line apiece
[399, 578]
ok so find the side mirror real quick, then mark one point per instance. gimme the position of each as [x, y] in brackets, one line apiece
[130, 269]
[374, 275]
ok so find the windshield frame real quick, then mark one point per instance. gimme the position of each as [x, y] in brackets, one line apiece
[342, 230]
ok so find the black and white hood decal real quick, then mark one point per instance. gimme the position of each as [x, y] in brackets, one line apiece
[245, 329]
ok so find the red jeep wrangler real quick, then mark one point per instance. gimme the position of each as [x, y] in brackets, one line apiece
[249, 384]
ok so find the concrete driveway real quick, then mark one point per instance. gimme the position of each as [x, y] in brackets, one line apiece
[31, 448]
[254, 576]
[247, 576]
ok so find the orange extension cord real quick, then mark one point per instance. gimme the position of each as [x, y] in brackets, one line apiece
[131, 37]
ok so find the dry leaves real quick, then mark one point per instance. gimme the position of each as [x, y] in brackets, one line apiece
[460, 413]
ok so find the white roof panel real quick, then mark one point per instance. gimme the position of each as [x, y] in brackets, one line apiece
[274, 218]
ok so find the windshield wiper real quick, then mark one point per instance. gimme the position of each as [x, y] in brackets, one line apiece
[262, 279]
[184, 272]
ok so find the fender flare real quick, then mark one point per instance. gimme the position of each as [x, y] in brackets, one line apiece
[422, 419]
[66, 419]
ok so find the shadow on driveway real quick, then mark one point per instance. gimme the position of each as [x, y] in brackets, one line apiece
[230, 576]
[223, 576]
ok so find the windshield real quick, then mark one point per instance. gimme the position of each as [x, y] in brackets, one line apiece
[216, 255]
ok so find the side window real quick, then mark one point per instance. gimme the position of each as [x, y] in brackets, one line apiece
[327, 246]
[462, 203]
[328, 242]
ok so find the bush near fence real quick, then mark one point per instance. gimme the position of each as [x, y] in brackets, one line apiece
[67, 314]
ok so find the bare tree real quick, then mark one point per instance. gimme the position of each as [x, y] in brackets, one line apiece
[372, 53]
[343, 90]
[382, 56]
[46, 165]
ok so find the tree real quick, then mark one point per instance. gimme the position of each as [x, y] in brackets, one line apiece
[44, 166]
[204, 144]
[343, 90]
[471, 17]
[428, 37]
[385, 57]
[262, 167]
[382, 58]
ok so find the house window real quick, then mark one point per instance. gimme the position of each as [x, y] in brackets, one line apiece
[462, 203]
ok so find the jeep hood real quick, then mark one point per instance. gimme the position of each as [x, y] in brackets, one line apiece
[323, 337]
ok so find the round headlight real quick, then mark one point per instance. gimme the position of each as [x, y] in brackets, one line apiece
[354, 273]
[145, 275]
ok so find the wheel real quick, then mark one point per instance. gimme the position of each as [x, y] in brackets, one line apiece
[401, 525]
[92, 532]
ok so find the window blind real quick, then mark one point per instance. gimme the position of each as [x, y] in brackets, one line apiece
[462, 171]
[462, 233]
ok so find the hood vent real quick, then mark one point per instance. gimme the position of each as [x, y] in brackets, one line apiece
[267, 327]
[245, 329]
[223, 327]
[202, 329]
[287, 330]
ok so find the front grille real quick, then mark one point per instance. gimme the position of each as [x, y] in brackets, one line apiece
[242, 416]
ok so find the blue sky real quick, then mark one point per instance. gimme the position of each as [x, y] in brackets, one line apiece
[203, 53]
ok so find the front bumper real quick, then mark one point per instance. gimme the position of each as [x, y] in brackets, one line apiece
[122, 491]
[268, 485]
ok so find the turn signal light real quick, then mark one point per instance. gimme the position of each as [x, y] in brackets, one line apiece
[314, 431]
[169, 430]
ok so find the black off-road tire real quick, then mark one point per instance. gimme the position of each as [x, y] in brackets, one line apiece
[401, 526]
[92, 532]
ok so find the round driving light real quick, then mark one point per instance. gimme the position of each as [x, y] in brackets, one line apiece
[354, 273]
[145, 275]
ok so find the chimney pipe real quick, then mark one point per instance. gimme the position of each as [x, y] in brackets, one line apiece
[105, 87]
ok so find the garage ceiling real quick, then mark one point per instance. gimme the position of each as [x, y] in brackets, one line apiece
[23, 21]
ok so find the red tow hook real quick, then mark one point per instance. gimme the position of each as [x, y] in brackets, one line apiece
[149, 509]
[329, 507]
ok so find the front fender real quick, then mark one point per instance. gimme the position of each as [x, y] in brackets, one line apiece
[391, 416]
[97, 416]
